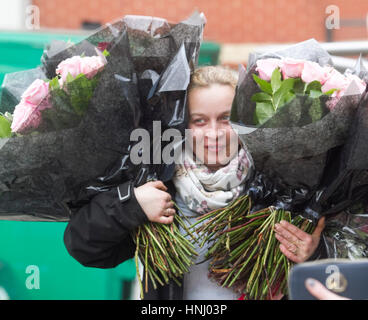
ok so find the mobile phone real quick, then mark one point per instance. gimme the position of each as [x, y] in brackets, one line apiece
[347, 278]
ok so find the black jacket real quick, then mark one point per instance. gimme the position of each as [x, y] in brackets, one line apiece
[99, 235]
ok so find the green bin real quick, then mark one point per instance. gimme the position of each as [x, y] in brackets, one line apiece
[35, 265]
[209, 54]
[21, 51]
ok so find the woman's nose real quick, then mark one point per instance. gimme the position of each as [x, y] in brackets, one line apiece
[215, 131]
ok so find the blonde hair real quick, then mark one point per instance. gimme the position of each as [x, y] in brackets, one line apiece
[205, 76]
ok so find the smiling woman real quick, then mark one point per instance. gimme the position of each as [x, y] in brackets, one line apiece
[213, 169]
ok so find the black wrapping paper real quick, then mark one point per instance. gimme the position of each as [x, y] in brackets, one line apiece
[291, 151]
[49, 175]
[343, 196]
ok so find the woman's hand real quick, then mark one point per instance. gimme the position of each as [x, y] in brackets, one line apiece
[155, 202]
[297, 245]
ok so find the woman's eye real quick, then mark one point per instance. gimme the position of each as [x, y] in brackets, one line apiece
[198, 121]
[226, 118]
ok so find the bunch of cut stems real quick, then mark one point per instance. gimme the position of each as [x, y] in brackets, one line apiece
[164, 251]
[244, 251]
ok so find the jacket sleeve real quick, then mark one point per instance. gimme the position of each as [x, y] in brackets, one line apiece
[320, 252]
[99, 233]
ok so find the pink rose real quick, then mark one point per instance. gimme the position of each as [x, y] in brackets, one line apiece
[265, 67]
[77, 65]
[292, 68]
[37, 93]
[312, 71]
[341, 83]
[91, 65]
[70, 66]
[26, 116]
[335, 80]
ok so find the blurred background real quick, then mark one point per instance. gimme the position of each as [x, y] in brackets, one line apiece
[234, 29]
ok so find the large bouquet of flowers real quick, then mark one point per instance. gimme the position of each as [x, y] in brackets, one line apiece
[290, 119]
[66, 125]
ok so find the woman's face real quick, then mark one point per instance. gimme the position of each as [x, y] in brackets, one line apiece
[214, 141]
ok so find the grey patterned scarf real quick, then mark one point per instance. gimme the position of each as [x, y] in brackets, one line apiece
[204, 190]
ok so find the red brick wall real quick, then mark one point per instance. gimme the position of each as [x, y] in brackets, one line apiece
[229, 21]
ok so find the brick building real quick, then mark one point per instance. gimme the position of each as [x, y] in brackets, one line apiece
[229, 22]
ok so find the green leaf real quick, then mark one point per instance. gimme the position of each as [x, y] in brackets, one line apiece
[263, 84]
[263, 112]
[329, 92]
[81, 75]
[314, 85]
[282, 93]
[276, 80]
[288, 97]
[315, 93]
[69, 78]
[299, 86]
[315, 111]
[62, 114]
[80, 92]
[5, 127]
[261, 97]
[60, 100]
[54, 83]
[106, 53]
